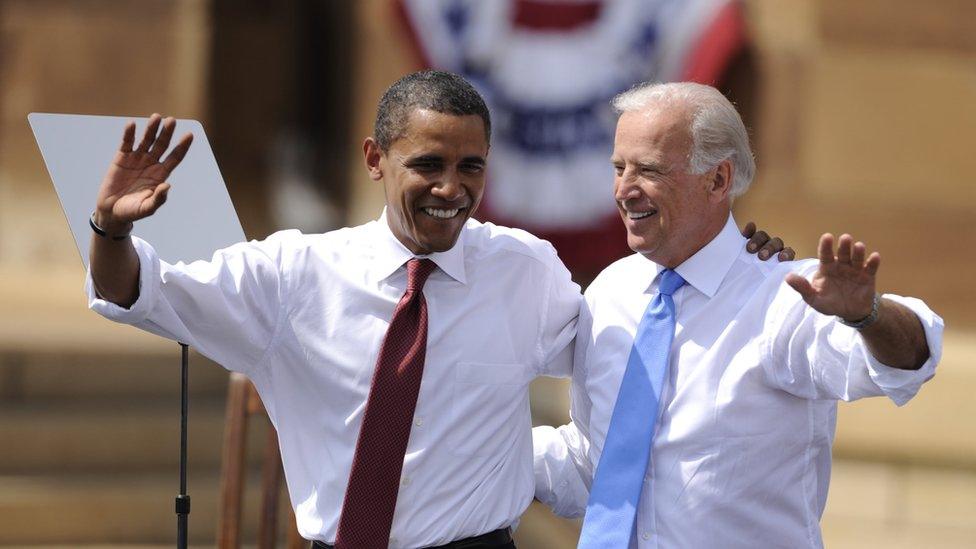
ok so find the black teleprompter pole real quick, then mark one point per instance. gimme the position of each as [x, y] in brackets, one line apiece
[183, 500]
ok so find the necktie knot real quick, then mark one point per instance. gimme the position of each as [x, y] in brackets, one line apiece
[670, 282]
[417, 272]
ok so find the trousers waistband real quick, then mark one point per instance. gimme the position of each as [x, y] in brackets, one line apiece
[498, 537]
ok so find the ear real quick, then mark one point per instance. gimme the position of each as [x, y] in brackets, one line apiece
[372, 153]
[720, 181]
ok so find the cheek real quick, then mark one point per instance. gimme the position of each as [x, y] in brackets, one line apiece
[410, 189]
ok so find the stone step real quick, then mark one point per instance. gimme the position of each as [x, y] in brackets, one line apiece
[51, 345]
[934, 428]
[873, 504]
[115, 435]
[71, 375]
[72, 510]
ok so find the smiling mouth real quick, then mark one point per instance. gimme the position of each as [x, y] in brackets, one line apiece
[442, 213]
[640, 215]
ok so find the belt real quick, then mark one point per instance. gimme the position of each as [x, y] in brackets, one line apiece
[498, 537]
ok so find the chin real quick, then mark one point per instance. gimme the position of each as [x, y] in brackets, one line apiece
[439, 245]
[641, 245]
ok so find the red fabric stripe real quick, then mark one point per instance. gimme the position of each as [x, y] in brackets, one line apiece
[585, 251]
[721, 40]
[555, 16]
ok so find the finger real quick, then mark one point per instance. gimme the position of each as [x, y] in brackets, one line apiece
[175, 156]
[162, 142]
[774, 245]
[857, 254]
[151, 128]
[157, 199]
[128, 137]
[844, 245]
[788, 254]
[825, 251]
[749, 230]
[757, 241]
[874, 261]
[802, 286]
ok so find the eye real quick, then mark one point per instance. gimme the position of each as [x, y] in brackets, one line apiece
[618, 169]
[426, 166]
[471, 167]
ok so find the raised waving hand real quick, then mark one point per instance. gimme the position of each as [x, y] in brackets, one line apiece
[135, 185]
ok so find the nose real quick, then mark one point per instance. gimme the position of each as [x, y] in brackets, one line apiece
[625, 186]
[449, 186]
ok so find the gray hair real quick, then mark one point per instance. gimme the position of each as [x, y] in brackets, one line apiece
[716, 127]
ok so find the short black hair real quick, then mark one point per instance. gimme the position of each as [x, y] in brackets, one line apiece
[438, 91]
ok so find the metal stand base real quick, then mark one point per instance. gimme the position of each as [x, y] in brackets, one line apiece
[183, 500]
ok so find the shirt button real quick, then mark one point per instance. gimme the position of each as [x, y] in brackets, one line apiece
[405, 481]
[419, 421]
[646, 536]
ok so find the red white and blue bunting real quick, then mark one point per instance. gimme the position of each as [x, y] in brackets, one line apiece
[548, 69]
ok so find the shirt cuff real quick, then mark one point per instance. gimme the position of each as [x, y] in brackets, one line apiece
[558, 484]
[898, 384]
[148, 289]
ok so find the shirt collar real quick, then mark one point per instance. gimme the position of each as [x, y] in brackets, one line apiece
[392, 254]
[706, 270]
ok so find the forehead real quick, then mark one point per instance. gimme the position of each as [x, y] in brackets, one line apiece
[658, 130]
[427, 130]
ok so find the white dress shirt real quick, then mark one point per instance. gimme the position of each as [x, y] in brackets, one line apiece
[741, 455]
[303, 316]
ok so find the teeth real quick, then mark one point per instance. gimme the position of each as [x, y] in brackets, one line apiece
[640, 215]
[442, 214]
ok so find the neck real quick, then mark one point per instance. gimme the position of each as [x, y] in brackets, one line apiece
[691, 244]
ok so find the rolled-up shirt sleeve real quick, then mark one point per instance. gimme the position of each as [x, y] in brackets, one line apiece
[898, 384]
[562, 464]
[227, 308]
[811, 355]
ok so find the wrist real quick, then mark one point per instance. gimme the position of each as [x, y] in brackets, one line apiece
[105, 226]
[867, 320]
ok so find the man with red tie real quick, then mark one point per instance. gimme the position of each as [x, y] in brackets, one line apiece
[393, 358]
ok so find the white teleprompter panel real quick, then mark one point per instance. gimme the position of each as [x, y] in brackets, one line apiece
[198, 217]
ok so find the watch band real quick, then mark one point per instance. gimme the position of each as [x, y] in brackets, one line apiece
[868, 320]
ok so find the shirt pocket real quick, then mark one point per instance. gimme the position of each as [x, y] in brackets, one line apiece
[489, 407]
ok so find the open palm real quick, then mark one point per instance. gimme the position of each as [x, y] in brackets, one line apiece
[135, 185]
[844, 284]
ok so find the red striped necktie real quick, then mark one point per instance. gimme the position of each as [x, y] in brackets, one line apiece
[367, 512]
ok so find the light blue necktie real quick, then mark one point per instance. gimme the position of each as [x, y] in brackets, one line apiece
[612, 507]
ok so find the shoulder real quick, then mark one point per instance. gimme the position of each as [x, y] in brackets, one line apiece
[488, 239]
[620, 274]
[771, 271]
[290, 245]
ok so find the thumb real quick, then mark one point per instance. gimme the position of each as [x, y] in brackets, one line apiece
[802, 286]
[157, 199]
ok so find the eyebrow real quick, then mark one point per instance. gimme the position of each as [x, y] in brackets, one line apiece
[479, 160]
[656, 166]
[423, 158]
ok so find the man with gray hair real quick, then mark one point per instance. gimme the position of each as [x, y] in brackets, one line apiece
[704, 389]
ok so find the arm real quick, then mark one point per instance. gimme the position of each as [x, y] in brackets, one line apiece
[897, 338]
[133, 188]
[844, 286]
[563, 471]
[227, 308]
[561, 308]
